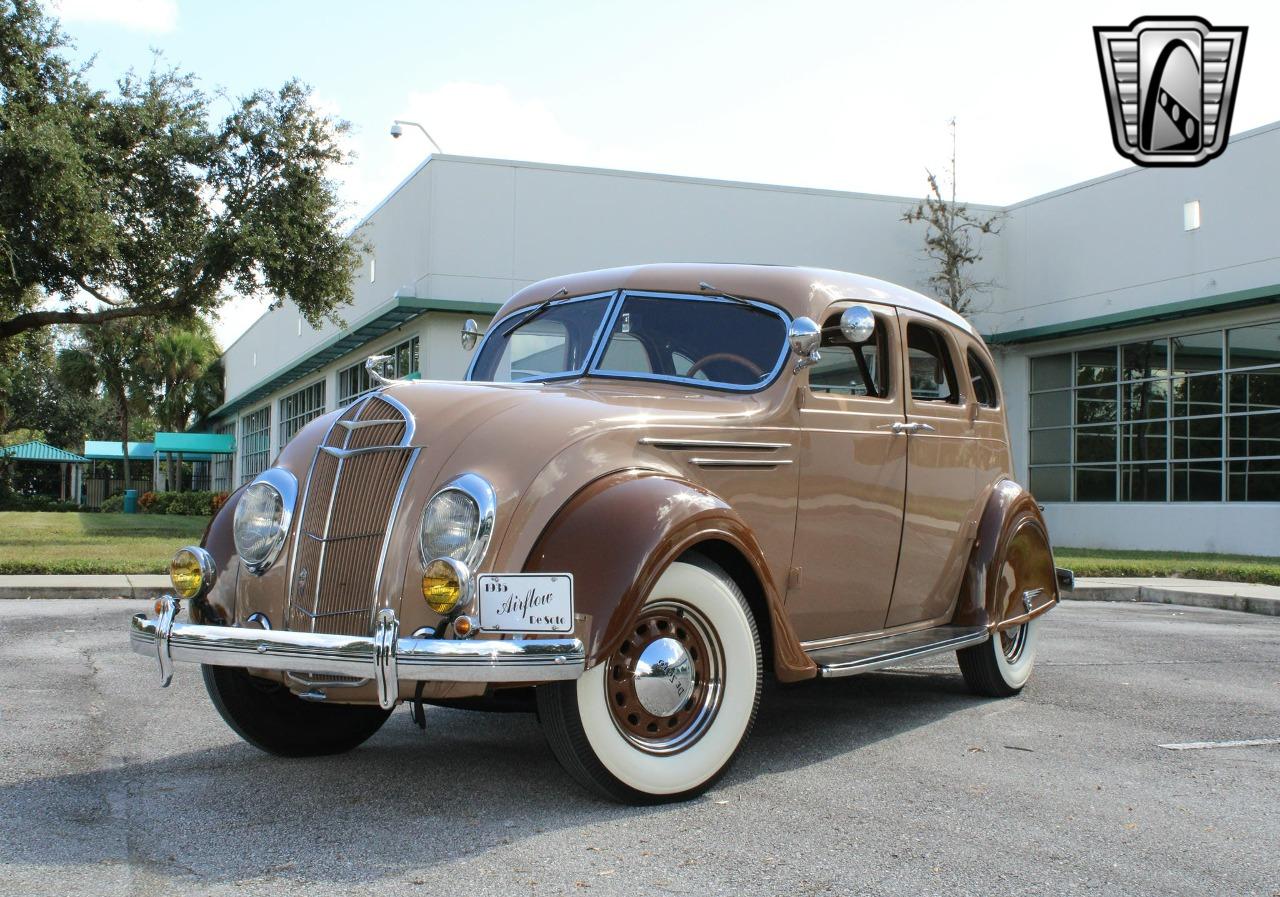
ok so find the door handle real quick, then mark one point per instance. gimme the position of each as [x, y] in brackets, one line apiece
[899, 427]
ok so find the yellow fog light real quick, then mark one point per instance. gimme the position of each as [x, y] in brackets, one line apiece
[191, 572]
[444, 584]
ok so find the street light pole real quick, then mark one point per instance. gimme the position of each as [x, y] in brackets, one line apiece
[397, 130]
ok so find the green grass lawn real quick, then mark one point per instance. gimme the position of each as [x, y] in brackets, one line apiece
[93, 543]
[1226, 567]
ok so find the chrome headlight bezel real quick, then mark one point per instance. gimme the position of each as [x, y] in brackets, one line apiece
[285, 486]
[480, 492]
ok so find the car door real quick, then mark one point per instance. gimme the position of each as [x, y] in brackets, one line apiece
[943, 453]
[852, 482]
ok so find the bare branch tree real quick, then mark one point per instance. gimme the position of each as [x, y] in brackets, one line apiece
[953, 240]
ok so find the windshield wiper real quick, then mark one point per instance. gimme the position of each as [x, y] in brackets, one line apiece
[708, 288]
[544, 305]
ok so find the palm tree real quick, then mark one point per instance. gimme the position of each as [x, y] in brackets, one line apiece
[112, 359]
[185, 361]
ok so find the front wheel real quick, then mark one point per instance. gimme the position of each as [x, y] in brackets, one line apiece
[269, 716]
[662, 719]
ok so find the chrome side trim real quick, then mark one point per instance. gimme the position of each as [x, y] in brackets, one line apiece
[367, 450]
[740, 462]
[676, 445]
[361, 424]
[385, 657]
[862, 657]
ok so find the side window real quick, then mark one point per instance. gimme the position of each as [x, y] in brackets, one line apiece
[984, 384]
[851, 369]
[933, 375]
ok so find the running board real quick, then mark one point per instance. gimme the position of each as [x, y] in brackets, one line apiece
[862, 657]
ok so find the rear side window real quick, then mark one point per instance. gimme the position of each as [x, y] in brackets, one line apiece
[851, 369]
[933, 375]
[984, 384]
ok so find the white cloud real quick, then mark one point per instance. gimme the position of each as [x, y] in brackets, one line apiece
[137, 15]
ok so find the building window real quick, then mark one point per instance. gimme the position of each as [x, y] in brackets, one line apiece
[223, 464]
[1186, 418]
[297, 408]
[354, 381]
[255, 443]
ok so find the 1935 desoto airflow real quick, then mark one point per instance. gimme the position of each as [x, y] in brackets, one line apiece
[656, 484]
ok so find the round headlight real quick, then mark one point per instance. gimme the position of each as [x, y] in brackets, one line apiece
[450, 526]
[259, 525]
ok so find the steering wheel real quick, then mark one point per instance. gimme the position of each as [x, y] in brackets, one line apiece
[752, 368]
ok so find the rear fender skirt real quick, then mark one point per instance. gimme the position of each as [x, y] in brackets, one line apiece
[619, 533]
[1011, 512]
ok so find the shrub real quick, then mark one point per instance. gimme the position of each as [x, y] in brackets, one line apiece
[146, 502]
[113, 505]
[37, 503]
[219, 499]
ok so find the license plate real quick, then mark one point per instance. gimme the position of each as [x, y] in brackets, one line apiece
[526, 602]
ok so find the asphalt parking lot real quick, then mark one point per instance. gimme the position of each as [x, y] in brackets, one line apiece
[896, 782]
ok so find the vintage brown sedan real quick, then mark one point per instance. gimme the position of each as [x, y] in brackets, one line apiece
[657, 485]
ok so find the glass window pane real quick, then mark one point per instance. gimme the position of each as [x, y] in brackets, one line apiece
[1198, 352]
[1095, 444]
[984, 384]
[1143, 442]
[1255, 391]
[1096, 405]
[1051, 371]
[1253, 480]
[1051, 409]
[1197, 438]
[1201, 481]
[933, 375]
[1051, 483]
[1095, 484]
[1051, 446]
[1197, 395]
[1254, 435]
[1146, 400]
[1096, 366]
[1143, 482]
[1149, 358]
[1255, 345]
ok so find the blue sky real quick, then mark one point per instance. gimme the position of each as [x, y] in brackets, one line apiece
[840, 95]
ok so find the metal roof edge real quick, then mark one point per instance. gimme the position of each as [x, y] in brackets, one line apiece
[1183, 308]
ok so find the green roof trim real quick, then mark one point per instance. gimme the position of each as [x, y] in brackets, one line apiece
[40, 452]
[1169, 311]
[386, 317]
[199, 443]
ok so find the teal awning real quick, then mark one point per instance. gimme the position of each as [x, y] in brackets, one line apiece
[40, 452]
[111, 451]
[196, 443]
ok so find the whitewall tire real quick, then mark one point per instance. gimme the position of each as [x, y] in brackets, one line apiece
[1001, 666]
[664, 716]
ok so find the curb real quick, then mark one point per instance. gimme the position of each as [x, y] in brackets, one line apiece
[29, 588]
[1249, 604]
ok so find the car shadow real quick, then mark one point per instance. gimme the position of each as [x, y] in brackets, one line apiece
[407, 801]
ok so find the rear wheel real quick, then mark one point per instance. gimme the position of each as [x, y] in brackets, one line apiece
[270, 717]
[1001, 666]
[662, 719]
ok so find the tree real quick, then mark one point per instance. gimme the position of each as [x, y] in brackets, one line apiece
[953, 240]
[138, 204]
[185, 362]
[113, 359]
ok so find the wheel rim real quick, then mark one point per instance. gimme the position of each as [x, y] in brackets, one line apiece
[671, 649]
[1013, 641]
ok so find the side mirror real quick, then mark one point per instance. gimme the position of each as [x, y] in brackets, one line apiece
[858, 324]
[471, 332]
[805, 336]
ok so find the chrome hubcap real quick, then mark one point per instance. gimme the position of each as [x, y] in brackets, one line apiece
[664, 677]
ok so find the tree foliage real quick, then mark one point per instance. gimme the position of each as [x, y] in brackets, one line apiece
[953, 241]
[139, 203]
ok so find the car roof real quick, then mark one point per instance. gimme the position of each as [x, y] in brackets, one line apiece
[800, 291]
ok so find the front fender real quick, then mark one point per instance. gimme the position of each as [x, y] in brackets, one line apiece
[1011, 512]
[218, 606]
[619, 533]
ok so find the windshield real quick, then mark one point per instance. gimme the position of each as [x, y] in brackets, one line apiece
[535, 344]
[700, 340]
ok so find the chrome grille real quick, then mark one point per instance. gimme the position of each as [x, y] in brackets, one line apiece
[351, 496]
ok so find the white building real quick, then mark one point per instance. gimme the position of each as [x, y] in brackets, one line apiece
[1136, 317]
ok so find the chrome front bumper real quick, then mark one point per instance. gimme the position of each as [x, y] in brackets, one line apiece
[384, 657]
